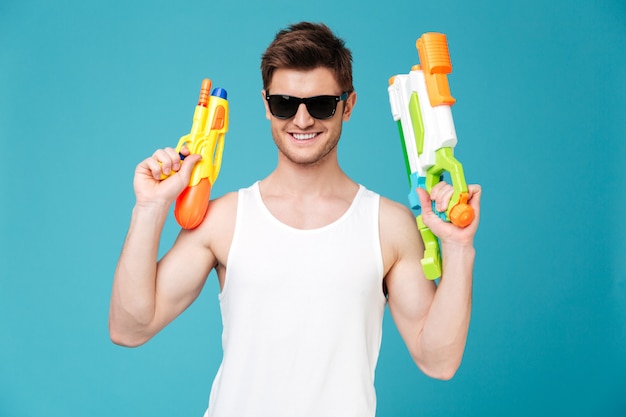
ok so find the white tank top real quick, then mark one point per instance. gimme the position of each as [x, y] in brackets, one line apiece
[302, 315]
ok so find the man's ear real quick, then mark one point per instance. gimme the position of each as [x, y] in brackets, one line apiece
[268, 115]
[348, 106]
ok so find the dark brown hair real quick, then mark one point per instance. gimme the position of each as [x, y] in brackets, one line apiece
[306, 46]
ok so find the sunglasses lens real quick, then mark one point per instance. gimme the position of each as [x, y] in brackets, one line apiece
[322, 107]
[283, 107]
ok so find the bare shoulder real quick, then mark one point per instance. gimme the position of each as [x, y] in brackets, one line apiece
[394, 215]
[398, 232]
[224, 205]
[215, 233]
[220, 217]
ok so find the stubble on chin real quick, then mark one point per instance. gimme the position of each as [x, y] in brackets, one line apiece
[297, 157]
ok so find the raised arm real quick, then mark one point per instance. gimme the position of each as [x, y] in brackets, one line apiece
[432, 320]
[147, 294]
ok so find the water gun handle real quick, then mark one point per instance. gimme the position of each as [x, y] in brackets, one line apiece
[208, 130]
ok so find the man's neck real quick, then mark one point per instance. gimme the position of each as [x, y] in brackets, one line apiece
[321, 178]
[308, 196]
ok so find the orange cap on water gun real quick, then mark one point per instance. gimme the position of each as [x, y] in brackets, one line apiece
[435, 62]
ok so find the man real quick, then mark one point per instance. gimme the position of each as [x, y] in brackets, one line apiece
[306, 258]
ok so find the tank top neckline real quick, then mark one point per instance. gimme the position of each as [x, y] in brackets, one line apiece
[257, 193]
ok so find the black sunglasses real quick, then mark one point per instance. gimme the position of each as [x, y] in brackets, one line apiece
[321, 107]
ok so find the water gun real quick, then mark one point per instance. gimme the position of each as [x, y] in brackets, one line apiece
[421, 104]
[208, 129]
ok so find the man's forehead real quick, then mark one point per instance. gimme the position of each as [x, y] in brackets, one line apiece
[304, 83]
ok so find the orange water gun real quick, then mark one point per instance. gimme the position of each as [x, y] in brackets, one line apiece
[208, 129]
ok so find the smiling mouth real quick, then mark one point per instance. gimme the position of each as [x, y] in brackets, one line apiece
[303, 136]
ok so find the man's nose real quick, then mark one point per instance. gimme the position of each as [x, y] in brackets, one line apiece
[302, 117]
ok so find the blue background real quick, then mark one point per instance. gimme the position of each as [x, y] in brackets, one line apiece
[88, 89]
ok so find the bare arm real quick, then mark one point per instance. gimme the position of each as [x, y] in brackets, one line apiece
[433, 321]
[147, 294]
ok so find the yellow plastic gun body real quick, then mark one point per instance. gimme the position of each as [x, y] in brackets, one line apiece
[421, 104]
[208, 129]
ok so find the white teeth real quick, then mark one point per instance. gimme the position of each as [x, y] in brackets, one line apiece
[303, 136]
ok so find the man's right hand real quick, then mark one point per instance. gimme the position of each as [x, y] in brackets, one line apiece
[151, 189]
